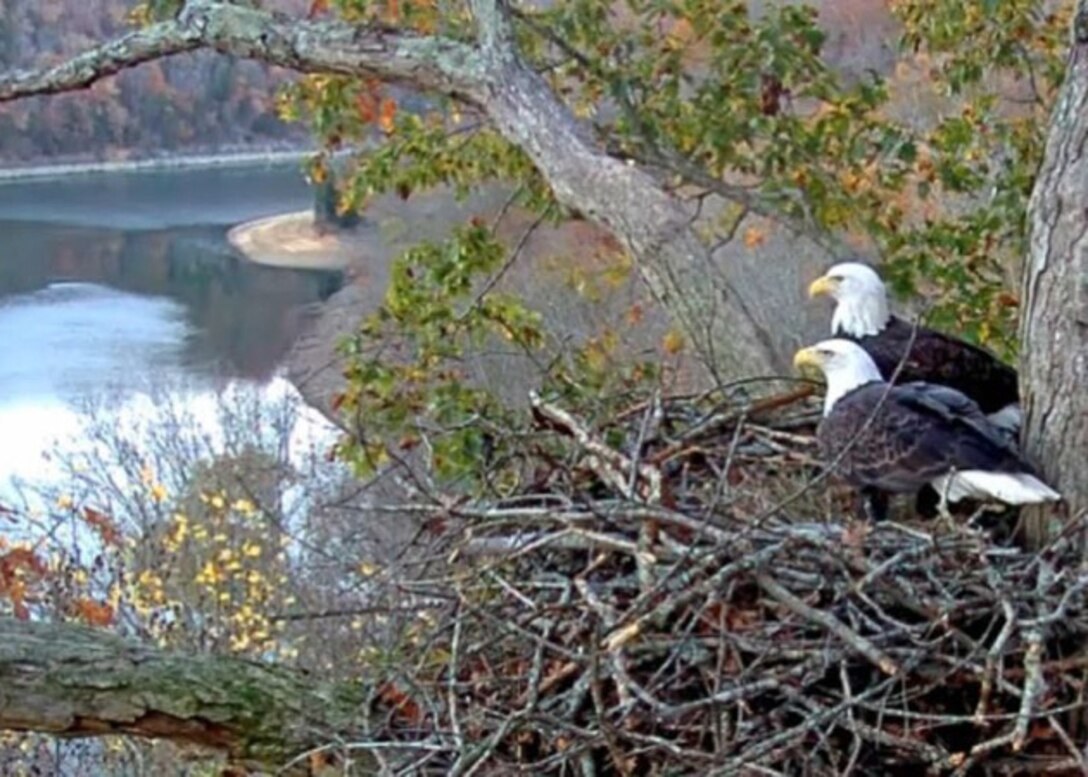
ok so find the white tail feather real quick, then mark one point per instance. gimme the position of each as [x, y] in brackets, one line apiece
[1014, 488]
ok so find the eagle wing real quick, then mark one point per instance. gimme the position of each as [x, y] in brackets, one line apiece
[941, 429]
[939, 358]
[919, 432]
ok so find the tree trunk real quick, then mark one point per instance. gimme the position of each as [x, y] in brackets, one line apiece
[69, 680]
[1054, 298]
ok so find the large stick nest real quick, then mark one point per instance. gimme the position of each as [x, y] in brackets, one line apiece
[680, 592]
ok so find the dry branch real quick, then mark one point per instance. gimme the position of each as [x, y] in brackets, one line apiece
[712, 645]
[568, 638]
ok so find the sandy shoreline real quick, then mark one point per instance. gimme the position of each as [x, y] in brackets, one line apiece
[290, 240]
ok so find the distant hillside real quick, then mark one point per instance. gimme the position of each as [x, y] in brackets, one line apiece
[206, 103]
[188, 104]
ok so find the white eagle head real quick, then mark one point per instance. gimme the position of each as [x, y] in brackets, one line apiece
[861, 298]
[845, 366]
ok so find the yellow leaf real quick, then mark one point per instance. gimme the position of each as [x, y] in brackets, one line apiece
[140, 16]
[673, 343]
[851, 181]
[680, 34]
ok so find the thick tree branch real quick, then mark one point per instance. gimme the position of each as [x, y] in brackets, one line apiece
[74, 681]
[654, 225]
[161, 40]
[431, 63]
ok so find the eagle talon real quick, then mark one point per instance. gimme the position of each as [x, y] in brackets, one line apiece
[873, 505]
[944, 515]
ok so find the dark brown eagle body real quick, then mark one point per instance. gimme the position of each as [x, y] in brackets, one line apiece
[919, 432]
[938, 358]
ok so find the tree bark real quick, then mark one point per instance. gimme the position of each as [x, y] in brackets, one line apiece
[655, 226]
[1054, 298]
[69, 680]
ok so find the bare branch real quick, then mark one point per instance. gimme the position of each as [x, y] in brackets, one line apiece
[831, 623]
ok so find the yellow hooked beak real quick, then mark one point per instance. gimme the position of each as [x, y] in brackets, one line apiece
[822, 285]
[807, 357]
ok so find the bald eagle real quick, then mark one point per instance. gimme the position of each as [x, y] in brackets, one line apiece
[898, 439]
[862, 315]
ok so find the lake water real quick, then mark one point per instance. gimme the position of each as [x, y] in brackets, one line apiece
[119, 283]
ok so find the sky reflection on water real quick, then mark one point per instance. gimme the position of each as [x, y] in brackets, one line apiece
[118, 286]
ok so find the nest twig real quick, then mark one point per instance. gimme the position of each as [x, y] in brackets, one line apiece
[652, 610]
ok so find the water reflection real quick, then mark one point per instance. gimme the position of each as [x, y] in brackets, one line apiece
[71, 338]
[111, 281]
[240, 318]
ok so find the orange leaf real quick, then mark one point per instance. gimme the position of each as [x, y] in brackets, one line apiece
[320, 761]
[854, 536]
[102, 523]
[737, 619]
[403, 704]
[20, 558]
[318, 7]
[1041, 730]
[388, 113]
[95, 613]
[392, 11]
[366, 105]
[680, 34]
[754, 237]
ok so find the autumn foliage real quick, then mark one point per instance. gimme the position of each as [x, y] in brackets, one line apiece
[624, 576]
[191, 104]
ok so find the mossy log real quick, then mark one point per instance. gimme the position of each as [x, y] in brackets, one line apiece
[70, 680]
